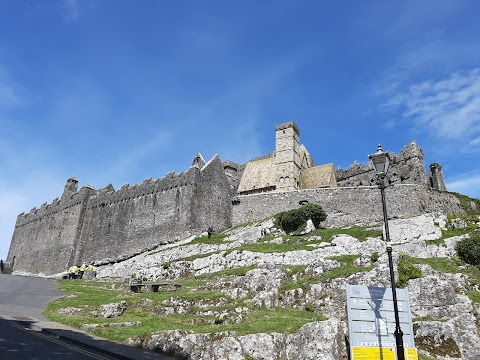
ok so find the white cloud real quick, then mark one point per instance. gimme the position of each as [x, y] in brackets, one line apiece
[465, 184]
[448, 108]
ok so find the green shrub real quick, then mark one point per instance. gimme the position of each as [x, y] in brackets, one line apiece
[291, 220]
[314, 212]
[469, 250]
[375, 257]
[407, 271]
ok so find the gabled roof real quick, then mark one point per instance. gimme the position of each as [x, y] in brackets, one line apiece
[198, 162]
[258, 174]
[318, 177]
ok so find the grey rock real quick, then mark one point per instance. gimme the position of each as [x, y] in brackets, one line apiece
[113, 309]
[308, 228]
[71, 311]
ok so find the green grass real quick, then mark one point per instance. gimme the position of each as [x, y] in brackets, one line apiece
[90, 295]
[255, 321]
[465, 203]
[474, 296]
[406, 271]
[215, 239]
[346, 268]
[290, 243]
[247, 224]
[453, 232]
[296, 243]
[452, 266]
[439, 242]
[358, 232]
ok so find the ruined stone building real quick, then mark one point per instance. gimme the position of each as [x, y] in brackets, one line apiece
[290, 167]
[109, 225]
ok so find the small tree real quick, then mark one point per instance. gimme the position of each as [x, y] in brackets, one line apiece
[291, 220]
[314, 212]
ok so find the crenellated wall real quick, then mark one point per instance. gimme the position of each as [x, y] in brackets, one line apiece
[140, 217]
[109, 224]
[45, 239]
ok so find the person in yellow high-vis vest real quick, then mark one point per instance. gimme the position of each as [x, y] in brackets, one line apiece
[81, 270]
[73, 272]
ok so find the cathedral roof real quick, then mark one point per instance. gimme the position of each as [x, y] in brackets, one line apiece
[258, 174]
[318, 177]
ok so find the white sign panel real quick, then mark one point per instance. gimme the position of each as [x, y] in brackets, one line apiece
[371, 322]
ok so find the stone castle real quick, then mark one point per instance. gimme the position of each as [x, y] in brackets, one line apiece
[109, 225]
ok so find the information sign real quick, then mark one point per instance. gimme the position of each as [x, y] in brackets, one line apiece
[371, 323]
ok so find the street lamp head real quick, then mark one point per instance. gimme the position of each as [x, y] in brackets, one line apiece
[380, 160]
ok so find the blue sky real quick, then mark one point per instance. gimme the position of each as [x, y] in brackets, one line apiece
[116, 91]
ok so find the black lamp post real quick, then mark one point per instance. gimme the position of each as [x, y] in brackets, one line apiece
[381, 161]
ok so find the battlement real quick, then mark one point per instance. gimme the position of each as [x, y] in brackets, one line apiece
[127, 192]
[287, 125]
[112, 224]
[56, 206]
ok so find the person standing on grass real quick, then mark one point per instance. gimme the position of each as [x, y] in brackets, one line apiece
[82, 270]
[210, 231]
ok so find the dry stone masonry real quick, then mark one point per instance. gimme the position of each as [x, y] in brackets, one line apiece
[109, 225]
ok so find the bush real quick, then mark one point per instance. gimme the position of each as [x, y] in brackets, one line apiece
[314, 212]
[406, 271]
[469, 250]
[291, 220]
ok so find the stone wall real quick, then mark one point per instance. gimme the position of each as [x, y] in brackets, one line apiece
[348, 205]
[109, 224]
[44, 240]
[408, 167]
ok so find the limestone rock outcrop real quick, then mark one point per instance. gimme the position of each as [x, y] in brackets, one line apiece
[445, 316]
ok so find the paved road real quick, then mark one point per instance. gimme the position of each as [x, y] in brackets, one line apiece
[22, 340]
[27, 335]
[24, 296]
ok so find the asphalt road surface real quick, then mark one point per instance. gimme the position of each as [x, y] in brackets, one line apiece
[24, 296]
[22, 340]
[25, 334]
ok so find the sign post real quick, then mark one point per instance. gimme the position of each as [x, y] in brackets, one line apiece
[371, 323]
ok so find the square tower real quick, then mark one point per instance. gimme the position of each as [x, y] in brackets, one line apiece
[287, 156]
